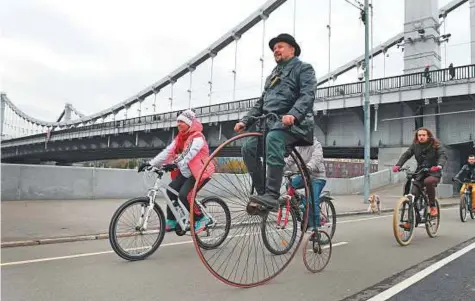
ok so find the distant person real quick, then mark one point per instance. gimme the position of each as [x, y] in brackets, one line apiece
[427, 74]
[451, 71]
[429, 153]
[468, 171]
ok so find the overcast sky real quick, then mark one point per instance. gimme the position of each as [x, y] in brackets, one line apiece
[95, 54]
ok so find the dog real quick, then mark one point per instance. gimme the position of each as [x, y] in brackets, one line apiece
[374, 204]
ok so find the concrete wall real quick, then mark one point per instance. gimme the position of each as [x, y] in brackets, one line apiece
[42, 182]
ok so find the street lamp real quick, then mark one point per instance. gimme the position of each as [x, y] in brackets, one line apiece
[366, 109]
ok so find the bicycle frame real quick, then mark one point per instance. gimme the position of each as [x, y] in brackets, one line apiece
[411, 197]
[470, 184]
[182, 218]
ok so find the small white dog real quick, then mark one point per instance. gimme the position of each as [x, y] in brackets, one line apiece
[374, 204]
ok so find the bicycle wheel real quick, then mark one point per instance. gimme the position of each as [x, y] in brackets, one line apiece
[133, 229]
[463, 208]
[241, 260]
[317, 251]
[327, 216]
[281, 240]
[403, 222]
[433, 223]
[220, 223]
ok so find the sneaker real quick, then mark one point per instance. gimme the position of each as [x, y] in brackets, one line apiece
[405, 226]
[170, 225]
[201, 224]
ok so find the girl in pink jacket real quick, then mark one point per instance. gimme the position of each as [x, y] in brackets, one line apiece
[185, 158]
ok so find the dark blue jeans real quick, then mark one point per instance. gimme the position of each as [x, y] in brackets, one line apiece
[317, 187]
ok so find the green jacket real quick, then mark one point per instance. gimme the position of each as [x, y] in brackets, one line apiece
[426, 156]
[289, 90]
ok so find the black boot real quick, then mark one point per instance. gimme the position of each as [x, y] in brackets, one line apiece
[274, 181]
[258, 182]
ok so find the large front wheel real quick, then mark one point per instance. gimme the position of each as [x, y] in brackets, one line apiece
[242, 259]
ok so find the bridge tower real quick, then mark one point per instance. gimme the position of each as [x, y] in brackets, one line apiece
[421, 35]
[67, 112]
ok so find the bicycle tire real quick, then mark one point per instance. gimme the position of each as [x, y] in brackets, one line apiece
[317, 250]
[403, 202]
[113, 225]
[433, 234]
[227, 225]
[288, 245]
[271, 271]
[463, 208]
[334, 217]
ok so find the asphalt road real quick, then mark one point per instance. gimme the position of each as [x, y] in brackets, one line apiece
[365, 262]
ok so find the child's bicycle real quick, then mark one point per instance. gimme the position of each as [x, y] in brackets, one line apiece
[318, 241]
[466, 199]
[148, 219]
[293, 207]
[410, 212]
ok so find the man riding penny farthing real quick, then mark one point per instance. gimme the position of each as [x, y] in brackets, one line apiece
[281, 119]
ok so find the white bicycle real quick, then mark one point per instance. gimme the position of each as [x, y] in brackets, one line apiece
[148, 219]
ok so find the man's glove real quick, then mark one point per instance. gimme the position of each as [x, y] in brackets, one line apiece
[144, 166]
[396, 168]
[435, 168]
[169, 167]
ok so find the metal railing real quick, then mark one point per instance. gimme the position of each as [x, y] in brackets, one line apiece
[376, 85]
[396, 82]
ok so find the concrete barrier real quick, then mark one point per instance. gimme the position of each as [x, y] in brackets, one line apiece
[44, 182]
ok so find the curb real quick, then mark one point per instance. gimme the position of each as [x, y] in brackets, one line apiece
[46, 241]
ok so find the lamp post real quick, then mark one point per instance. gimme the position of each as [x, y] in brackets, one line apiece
[366, 108]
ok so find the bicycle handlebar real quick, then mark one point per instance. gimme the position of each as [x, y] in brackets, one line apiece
[265, 116]
[289, 174]
[471, 181]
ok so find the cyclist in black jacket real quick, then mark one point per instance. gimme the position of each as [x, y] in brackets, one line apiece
[468, 171]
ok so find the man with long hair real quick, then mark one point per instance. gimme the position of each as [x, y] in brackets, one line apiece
[429, 153]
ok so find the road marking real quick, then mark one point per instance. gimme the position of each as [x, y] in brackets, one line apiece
[81, 255]
[170, 244]
[108, 252]
[420, 275]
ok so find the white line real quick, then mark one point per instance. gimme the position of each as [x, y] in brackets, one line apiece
[420, 275]
[107, 252]
[80, 255]
[163, 245]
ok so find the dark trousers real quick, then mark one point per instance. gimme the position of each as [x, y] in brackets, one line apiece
[183, 186]
[429, 183]
[277, 142]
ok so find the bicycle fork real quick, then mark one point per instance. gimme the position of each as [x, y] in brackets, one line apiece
[145, 212]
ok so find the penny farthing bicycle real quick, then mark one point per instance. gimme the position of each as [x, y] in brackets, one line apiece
[257, 248]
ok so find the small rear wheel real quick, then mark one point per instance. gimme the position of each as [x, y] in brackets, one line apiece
[403, 222]
[317, 251]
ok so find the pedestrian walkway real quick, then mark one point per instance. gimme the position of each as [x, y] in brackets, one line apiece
[32, 220]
